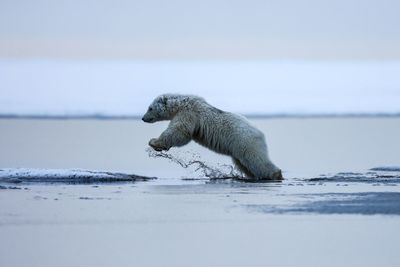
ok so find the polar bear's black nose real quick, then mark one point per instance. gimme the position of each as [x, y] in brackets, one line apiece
[143, 119]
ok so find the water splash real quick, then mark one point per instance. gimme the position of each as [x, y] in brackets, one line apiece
[190, 159]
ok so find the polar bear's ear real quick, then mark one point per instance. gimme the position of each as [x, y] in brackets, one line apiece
[164, 100]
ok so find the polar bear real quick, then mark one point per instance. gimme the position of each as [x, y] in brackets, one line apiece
[192, 118]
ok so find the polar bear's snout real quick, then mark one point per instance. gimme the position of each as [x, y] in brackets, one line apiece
[148, 118]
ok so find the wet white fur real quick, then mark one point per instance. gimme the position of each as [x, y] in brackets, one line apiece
[192, 118]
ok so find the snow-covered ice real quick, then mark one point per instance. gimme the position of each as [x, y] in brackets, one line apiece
[387, 168]
[17, 175]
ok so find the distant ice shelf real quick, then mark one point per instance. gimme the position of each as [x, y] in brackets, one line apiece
[74, 88]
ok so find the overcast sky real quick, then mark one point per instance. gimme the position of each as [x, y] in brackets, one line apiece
[207, 29]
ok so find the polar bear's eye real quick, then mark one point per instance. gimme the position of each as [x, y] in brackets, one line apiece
[150, 109]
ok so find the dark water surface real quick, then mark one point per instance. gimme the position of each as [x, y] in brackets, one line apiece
[87, 193]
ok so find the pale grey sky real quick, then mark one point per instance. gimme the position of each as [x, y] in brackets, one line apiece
[208, 29]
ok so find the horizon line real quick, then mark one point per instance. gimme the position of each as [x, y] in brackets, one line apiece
[96, 116]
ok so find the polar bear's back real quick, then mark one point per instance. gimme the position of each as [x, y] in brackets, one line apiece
[225, 132]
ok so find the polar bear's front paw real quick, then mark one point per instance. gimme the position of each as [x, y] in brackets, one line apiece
[155, 145]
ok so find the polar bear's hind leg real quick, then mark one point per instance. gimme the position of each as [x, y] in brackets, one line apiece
[261, 169]
[242, 168]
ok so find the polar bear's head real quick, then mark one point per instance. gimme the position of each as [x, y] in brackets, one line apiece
[164, 107]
